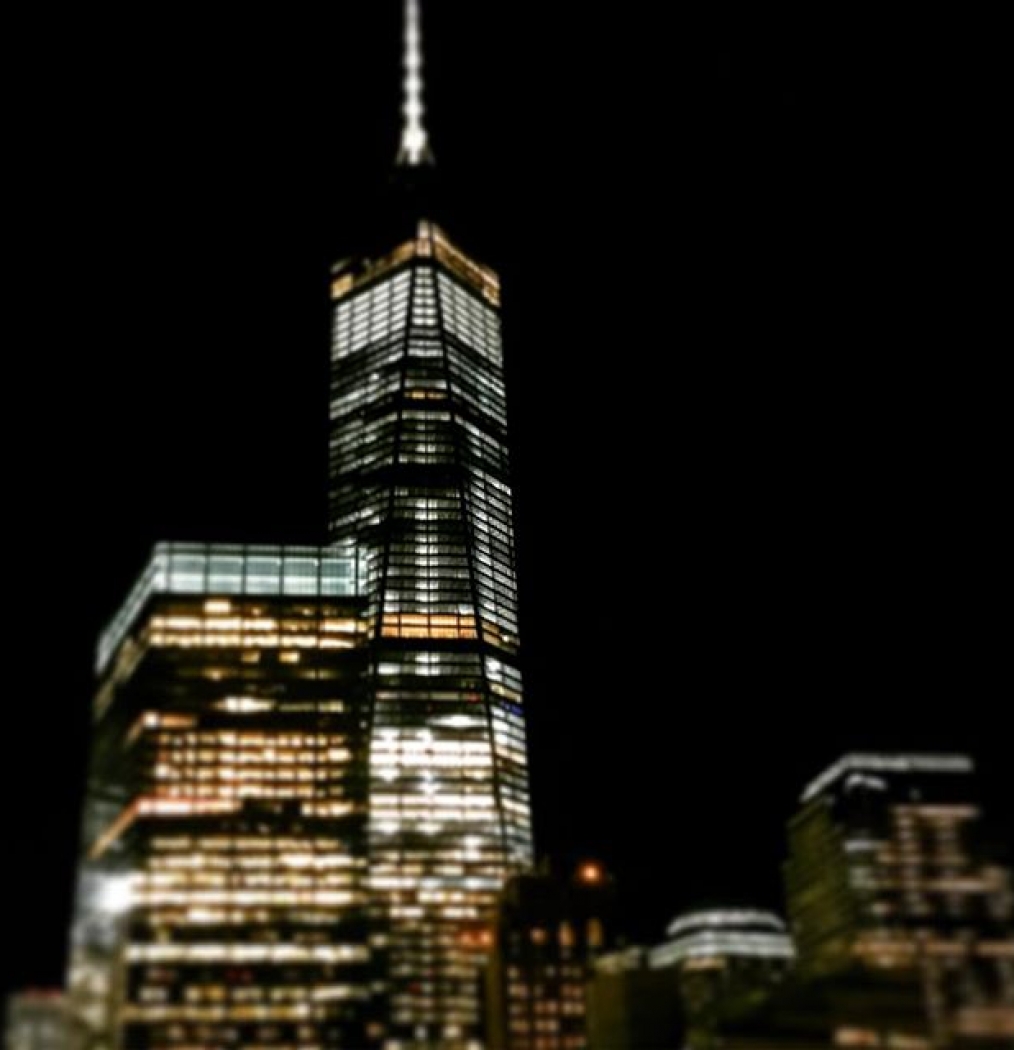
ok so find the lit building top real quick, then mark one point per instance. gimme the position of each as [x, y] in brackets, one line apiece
[863, 769]
[724, 934]
[429, 243]
[231, 569]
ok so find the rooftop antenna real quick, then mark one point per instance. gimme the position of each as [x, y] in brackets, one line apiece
[414, 151]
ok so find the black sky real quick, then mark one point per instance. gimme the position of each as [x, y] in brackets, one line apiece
[757, 407]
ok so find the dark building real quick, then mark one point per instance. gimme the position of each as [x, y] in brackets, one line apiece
[223, 895]
[633, 1005]
[37, 1019]
[677, 994]
[889, 875]
[723, 958]
[855, 1009]
[549, 931]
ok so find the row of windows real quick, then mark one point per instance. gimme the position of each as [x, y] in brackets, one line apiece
[472, 321]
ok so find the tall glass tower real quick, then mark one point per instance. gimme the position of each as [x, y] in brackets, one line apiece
[308, 779]
[419, 482]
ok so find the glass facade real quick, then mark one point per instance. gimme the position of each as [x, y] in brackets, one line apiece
[419, 484]
[223, 896]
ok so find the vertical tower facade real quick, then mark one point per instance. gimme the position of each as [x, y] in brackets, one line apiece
[419, 482]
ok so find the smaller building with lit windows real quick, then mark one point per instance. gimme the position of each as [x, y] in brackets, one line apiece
[549, 931]
[891, 883]
[222, 896]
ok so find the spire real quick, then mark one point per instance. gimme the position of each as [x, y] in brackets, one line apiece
[415, 147]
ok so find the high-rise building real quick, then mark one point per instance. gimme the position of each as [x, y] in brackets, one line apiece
[222, 895]
[419, 483]
[888, 877]
[549, 931]
[36, 1019]
[309, 780]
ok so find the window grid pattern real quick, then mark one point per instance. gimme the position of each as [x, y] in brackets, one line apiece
[223, 897]
[420, 483]
[229, 569]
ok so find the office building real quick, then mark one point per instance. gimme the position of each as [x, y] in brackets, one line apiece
[889, 876]
[223, 896]
[419, 483]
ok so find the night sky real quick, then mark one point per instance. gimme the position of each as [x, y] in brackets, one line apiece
[758, 423]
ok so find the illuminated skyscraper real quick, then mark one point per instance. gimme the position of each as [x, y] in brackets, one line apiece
[888, 879]
[419, 483]
[308, 779]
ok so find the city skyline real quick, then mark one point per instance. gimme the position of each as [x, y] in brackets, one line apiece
[179, 423]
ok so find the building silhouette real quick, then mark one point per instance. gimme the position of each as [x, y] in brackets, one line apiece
[723, 956]
[633, 1005]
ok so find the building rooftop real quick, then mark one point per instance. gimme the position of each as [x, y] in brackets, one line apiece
[232, 569]
[724, 933]
[430, 242]
[863, 764]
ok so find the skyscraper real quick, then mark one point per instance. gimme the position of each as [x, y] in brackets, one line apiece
[419, 483]
[888, 877]
[309, 778]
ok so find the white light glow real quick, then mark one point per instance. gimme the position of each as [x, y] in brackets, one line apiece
[415, 148]
[115, 896]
